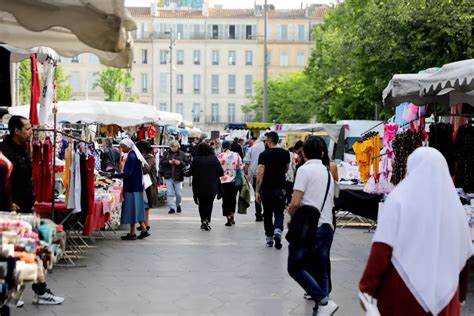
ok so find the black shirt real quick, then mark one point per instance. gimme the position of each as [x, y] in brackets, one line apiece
[21, 177]
[236, 148]
[275, 161]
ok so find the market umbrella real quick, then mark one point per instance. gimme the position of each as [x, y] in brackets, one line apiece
[70, 27]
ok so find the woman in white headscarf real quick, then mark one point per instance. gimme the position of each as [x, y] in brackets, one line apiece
[421, 248]
[133, 207]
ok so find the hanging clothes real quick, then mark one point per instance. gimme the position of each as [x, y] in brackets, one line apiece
[70, 192]
[77, 183]
[35, 91]
[363, 151]
[46, 190]
[5, 84]
[36, 167]
[46, 93]
[441, 138]
[463, 152]
[403, 145]
[6, 168]
[90, 185]
[84, 191]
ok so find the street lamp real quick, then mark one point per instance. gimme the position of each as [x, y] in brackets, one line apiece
[172, 43]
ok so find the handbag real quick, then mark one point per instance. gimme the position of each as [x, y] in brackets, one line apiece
[304, 224]
[238, 178]
[147, 181]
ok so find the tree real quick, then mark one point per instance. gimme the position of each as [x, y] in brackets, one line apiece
[288, 99]
[113, 82]
[363, 43]
[63, 87]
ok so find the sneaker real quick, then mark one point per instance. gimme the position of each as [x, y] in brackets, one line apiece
[20, 304]
[139, 228]
[172, 211]
[203, 226]
[232, 221]
[229, 223]
[327, 310]
[278, 244]
[207, 228]
[48, 298]
[178, 209]
[144, 235]
[129, 237]
[259, 219]
[269, 242]
[308, 297]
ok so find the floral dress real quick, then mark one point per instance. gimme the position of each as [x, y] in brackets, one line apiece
[230, 162]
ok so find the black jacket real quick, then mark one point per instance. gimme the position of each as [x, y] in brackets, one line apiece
[206, 172]
[21, 179]
[167, 170]
[235, 147]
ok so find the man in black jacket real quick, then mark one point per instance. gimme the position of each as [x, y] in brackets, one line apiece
[237, 148]
[23, 196]
[171, 168]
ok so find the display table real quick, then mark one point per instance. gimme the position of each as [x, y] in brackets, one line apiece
[358, 202]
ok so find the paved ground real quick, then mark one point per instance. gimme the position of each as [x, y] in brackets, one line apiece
[181, 270]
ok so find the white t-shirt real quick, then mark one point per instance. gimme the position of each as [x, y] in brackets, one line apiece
[312, 179]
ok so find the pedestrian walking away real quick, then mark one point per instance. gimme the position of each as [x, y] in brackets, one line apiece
[206, 171]
[237, 147]
[231, 181]
[22, 193]
[171, 168]
[133, 206]
[422, 273]
[314, 186]
[273, 164]
[251, 167]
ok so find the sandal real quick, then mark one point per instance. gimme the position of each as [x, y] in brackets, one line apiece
[129, 237]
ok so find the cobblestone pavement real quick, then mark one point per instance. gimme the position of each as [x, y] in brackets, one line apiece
[182, 270]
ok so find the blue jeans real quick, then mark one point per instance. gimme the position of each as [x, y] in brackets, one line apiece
[174, 190]
[310, 268]
[273, 202]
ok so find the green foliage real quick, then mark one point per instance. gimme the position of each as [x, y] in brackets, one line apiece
[113, 82]
[288, 99]
[63, 87]
[363, 43]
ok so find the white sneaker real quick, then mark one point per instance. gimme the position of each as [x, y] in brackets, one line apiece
[20, 304]
[327, 310]
[48, 298]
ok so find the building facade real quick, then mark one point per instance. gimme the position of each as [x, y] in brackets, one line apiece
[216, 56]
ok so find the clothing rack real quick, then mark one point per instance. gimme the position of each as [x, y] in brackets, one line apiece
[373, 127]
[62, 133]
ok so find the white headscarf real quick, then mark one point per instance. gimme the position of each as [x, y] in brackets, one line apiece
[425, 224]
[130, 144]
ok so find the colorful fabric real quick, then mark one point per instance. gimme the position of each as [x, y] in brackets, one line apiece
[230, 162]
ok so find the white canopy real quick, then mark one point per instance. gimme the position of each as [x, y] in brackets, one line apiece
[19, 54]
[103, 112]
[451, 84]
[333, 130]
[70, 27]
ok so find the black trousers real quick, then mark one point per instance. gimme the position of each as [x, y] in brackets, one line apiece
[205, 207]
[273, 208]
[289, 191]
[229, 198]
[258, 206]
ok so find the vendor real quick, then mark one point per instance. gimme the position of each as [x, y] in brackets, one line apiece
[22, 193]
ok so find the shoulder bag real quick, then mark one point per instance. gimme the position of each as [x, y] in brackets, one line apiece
[304, 224]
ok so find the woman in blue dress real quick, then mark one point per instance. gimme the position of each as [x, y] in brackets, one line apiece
[133, 207]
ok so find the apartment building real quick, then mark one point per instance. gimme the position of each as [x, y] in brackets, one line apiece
[216, 56]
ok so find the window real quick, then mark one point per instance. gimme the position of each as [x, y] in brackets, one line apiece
[215, 84]
[215, 32]
[248, 84]
[231, 112]
[197, 84]
[197, 57]
[301, 32]
[179, 31]
[269, 57]
[232, 57]
[248, 57]
[214, 112]
[196, 112]
[144, 56]
[93, 59]
[180, 57]
[231, 31]
[179, 108]
[163, 56]
[284, 32]
[215, 57]
[75, 81]
[163, 83]
[144, 82]
[91, 80]
[163, 106]
[231, 84]
[248, 32]
[300, 59]
[75, 59]
[179, 84]
[284, 58]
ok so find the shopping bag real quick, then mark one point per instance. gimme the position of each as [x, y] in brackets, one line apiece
[147, 181]
[370, 304]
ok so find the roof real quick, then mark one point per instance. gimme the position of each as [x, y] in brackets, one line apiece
[144, 12]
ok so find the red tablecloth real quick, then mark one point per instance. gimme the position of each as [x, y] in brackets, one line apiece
[95, 220]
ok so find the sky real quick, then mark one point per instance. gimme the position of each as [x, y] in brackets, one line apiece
[240, 4]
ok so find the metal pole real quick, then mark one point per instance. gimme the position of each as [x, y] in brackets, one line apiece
[54, 163]
[265, 67]
[171, 70]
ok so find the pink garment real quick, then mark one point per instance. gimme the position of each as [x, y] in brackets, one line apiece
[230, 162]
[457, 120]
